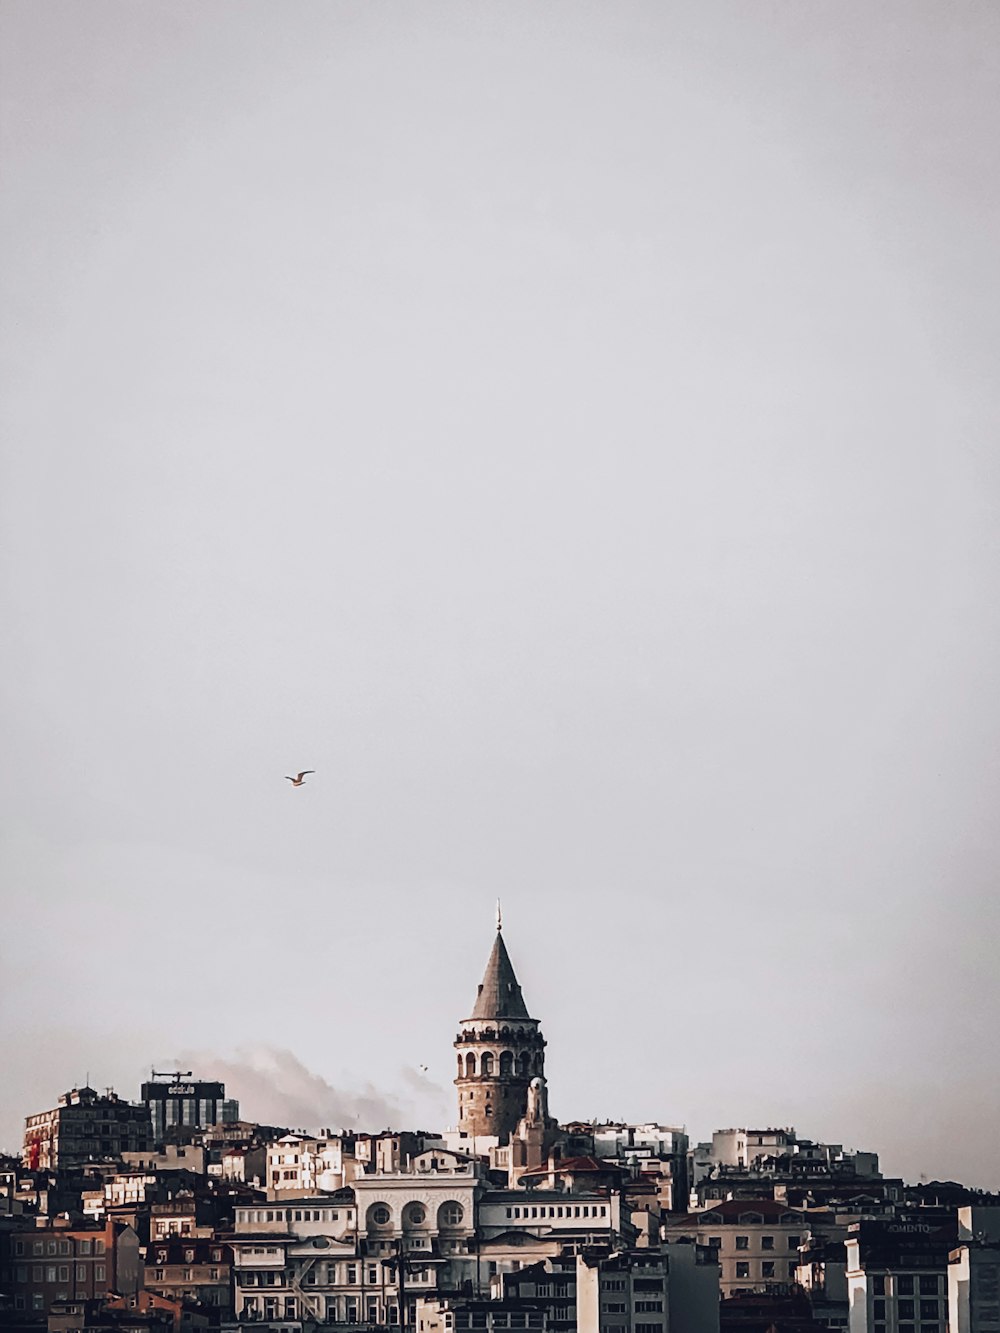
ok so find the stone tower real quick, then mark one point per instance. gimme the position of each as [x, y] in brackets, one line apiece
[500, 1050]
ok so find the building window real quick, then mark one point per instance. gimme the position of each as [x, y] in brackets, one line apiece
[99, 1273]
[767, 1268]
[50, 1273]
[928, 1284]
[928, 1309]
[381, 1215]
[794, 1242]
[742, 1269]
[64, 1272]
[742, 1242]
[905, 1309]
[904, 1285]
[878, 1284]
[767, 1242]
[878, 1310]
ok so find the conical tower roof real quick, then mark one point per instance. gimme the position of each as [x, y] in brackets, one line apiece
[499, 994]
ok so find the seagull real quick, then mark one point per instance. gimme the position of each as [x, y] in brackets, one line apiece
[300, 778]
[423, 1069]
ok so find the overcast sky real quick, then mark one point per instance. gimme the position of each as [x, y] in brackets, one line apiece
[569, 428]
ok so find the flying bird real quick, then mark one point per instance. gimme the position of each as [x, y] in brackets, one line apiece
[300, 778]
[423, 1069]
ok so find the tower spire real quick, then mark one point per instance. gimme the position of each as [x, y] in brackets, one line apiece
[499, 1050]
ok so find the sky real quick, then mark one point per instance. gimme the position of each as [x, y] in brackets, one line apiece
[570, 429]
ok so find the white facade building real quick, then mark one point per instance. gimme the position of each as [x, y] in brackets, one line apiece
[299, 1165]
[974, 1272]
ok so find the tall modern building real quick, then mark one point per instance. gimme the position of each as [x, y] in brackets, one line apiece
[189, 1105]
[499, 1051]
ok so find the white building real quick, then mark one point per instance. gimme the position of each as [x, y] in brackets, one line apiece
[362, 1255]
[974, 1273]
[430, 1208]
[300, 1165]
[549, 1214]
[744, 1149]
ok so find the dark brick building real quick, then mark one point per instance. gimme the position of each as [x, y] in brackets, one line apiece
[41, 1266]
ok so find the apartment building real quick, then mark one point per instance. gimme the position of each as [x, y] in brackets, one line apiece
[597, 1290]
[897, 1275]
[310, 1262]
[63, 1262]
[83, 1127]
[190, 1270]
[757, 1241]
[300, 1165]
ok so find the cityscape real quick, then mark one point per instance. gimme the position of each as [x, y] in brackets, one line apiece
[178, 1212]
[541, 452]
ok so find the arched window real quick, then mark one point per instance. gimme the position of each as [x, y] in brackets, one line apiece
[470, 1066]
[414, 1215]
[461, 1066]
[486, 1064]
[524, 1064]
[379, 1216]
[539, 1063]
[450, 1214]
[506, 1064]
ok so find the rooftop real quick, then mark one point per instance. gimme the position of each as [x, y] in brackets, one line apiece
[499, 994]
